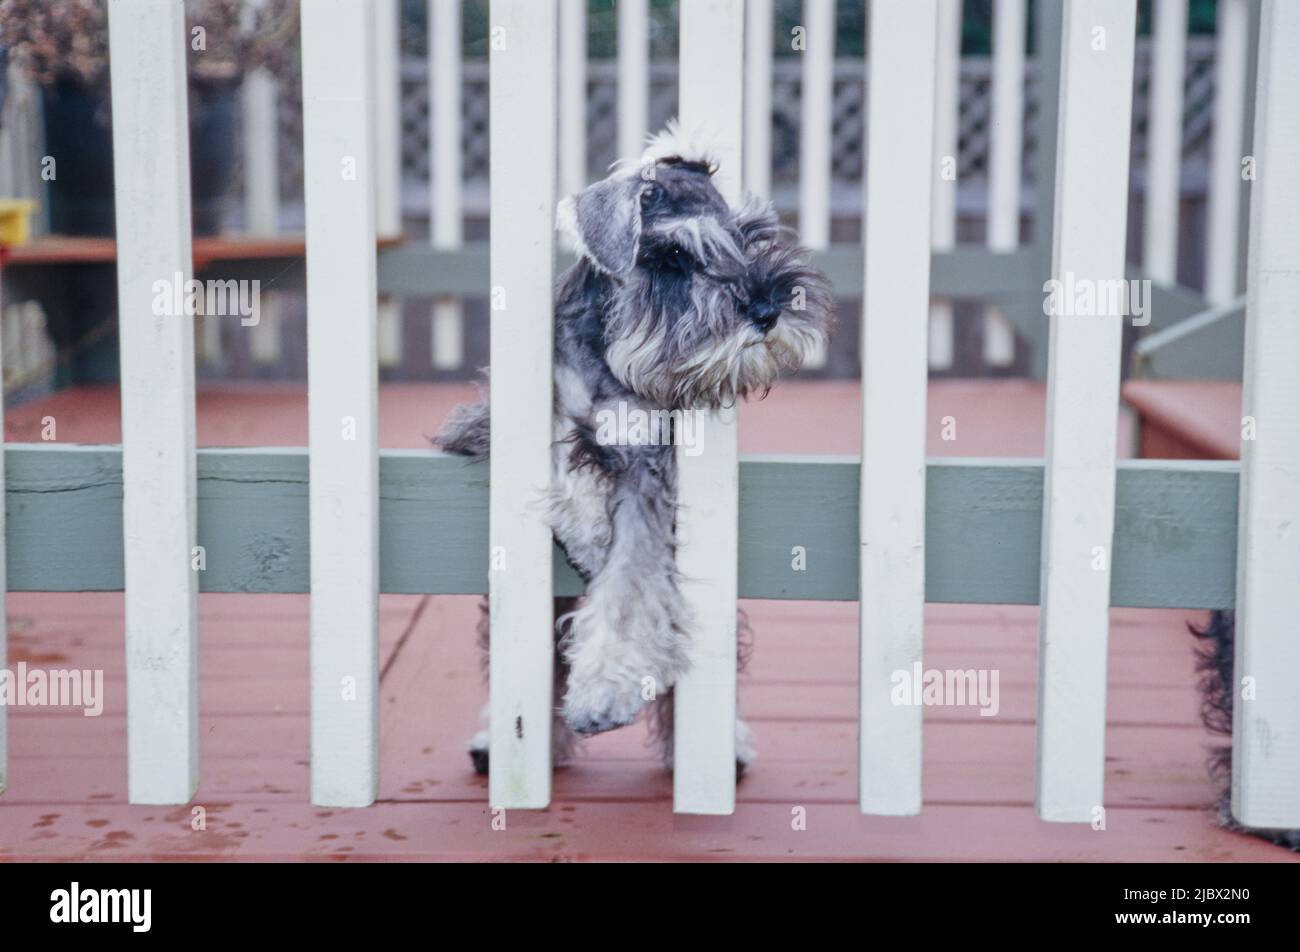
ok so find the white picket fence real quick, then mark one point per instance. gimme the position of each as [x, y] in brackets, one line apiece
[532, 144]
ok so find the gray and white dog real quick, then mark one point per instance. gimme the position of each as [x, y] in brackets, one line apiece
[677, 303]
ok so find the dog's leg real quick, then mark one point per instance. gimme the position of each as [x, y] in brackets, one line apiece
[626, 643]
[661, 720]
[564, 742]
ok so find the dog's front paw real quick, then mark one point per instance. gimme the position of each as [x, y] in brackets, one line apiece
[601, 705]
[478, 752]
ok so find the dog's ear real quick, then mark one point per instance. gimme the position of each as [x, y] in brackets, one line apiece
[603, 222]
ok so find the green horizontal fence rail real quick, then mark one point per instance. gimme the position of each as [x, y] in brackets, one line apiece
[1175, 526]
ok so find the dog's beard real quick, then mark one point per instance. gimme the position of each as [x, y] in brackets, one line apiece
[715, 370]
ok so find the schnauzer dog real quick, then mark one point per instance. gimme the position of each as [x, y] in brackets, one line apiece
[677, 304]
[1215, 662]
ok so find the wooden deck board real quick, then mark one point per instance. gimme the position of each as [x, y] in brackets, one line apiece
[68, 772]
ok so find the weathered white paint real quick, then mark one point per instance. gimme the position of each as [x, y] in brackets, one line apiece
[152, 193]
[573, 96]
[633, 76]
[903, 38]
[1005, 145]
[1165, 141]
[1226, 184]
[338, 96]
[943, 203]
[758, 97]
[1082, 397]
[704, 773]
[1266, 710]
[522, 83]
[447, 332]
[261, 197]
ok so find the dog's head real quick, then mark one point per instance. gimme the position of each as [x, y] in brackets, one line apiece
[706, 303]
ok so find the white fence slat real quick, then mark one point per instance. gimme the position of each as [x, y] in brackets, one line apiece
[147, 44]
[447, 333]
[1226, 183]
[573, 96]
[1165, 141]
[943, 207]
[338, 95]
[1082, 401]
[711, 81]
[903, 38]
[758, 97]
[1005, 144]
[1266, 724]
[522, 84]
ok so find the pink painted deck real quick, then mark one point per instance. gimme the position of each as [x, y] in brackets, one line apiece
[67, 797]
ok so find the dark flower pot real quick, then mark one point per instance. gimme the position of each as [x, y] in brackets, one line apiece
[79, 135]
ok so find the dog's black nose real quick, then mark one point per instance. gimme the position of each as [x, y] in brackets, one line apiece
[764, 315]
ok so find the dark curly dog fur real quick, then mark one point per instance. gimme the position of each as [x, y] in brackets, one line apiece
[1215, 662]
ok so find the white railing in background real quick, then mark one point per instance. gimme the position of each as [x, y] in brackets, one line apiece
[1006, 110]
[712, 51]
[1082, 397]
[387, 37]
[943, 169]
[758, 98]
[152, 192]
[903, 40]
[447, 321]
[342, 399]
[633, 76]
[1226, 178]
[1160, 172]
[815, 134]
[1266, 715]
[1165, 141]
[261, 146]
[573, 96]
[522, 57]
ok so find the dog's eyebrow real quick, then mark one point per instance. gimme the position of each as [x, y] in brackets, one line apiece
[704, 236]
[703, 166]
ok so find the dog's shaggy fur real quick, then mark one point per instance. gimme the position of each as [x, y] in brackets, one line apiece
[678, 302]
[1218, 692]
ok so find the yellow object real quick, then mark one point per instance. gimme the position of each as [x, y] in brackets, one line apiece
[15, 221]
